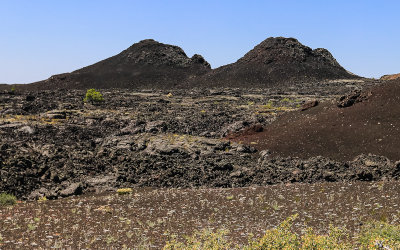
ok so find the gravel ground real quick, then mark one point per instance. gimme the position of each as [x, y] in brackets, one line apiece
[148, 217]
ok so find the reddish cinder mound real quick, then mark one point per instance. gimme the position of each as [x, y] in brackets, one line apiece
[369, 124]
[390, 77]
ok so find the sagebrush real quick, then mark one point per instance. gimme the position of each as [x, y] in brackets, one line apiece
[7, 199]
[93, 96]
[374, 235]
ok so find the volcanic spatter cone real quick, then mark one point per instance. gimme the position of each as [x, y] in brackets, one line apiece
[278, 61]
[146, 64]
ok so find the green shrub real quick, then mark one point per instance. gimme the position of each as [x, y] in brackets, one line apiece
[122, 191]
[269, 105]
[373, 235]
[7, 199]
[280, 237]
[380, 235]
[12, 91]
[334, 240]
[93, 96]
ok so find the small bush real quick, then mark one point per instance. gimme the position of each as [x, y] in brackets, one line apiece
[12, 91]
[280, 237]
[7, 199]
[93, 96]
[380, 235]
[286, 100]
[42, 199]
[124, 191]
[374, 235]
[269, 105]
[334, 240]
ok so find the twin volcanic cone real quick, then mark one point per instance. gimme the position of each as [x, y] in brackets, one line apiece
[150, 64]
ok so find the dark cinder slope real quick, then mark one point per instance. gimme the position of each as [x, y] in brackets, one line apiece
[147, 64]
[370, 125]
[278, 61]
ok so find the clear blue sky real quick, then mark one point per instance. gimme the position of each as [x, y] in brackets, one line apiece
[40, 38]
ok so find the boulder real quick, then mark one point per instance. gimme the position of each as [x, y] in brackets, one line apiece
[55, 114]
[155, 127]
[73, 189]
[309, 105]
[27, 130]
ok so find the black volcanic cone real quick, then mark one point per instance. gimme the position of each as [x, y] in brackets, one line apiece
[147, 64]
[277, 61]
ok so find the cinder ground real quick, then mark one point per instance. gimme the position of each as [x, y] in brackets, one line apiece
[370, 125]
[148, 217]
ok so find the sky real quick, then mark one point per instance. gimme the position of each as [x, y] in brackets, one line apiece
[41, 38]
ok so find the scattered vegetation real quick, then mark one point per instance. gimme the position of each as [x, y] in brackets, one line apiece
[380, 235]
[122, 191]
[213, 219]
[286, 100]
[93, 96]
[274, 205]
[230, 197]
[278, 238]
[42, 199]
[375, 235]
[269, 105]
[7, 199]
